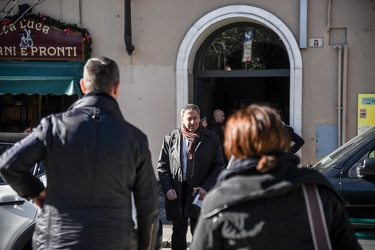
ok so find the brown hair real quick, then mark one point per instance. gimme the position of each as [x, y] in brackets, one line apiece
[256, 131]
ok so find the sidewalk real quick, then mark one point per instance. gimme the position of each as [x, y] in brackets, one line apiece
[167, 234]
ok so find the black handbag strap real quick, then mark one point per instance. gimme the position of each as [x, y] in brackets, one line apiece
[317, 220]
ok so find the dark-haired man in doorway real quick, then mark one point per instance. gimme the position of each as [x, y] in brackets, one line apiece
[216, 126]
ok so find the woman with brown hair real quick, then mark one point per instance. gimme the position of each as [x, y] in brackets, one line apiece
[264, 200]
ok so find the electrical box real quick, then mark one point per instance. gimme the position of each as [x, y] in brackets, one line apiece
[366, 111]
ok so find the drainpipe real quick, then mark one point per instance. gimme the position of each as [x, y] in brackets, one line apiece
[329, 15]
[80, 12]
[339, 83]
[303, 24]
[128, 28]
[344, 93]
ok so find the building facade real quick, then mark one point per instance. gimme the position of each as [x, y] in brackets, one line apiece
[313, 60]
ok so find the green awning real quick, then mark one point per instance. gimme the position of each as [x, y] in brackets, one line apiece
[55, 78]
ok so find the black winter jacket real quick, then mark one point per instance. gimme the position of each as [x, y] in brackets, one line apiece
[94, 160]
[251, 210]
[217, 128]
[208, 162]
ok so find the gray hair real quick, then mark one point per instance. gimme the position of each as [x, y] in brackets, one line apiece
[100, 74]
[190, 107]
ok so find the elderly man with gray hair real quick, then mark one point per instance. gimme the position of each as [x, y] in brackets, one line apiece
[190, 160]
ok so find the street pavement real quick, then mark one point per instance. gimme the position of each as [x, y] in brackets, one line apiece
[167, 234]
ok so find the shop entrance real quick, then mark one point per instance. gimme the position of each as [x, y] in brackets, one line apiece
[32, 90]
[241, 64]
[18, 112]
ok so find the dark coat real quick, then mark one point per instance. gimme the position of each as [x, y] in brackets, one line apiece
[94, 160]
[251, 210]
[295, 138]
[207, 164]
[217, 128]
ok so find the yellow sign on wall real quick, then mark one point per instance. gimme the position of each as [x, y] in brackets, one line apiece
[366, 111]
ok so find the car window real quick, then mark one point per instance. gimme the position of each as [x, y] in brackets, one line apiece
[4, 147]
[353, 170]
[39, 169]
[335, 156]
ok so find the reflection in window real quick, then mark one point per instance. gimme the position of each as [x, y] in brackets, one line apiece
[245, 46]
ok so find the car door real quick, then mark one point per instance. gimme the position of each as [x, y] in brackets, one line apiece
[360, 193]
[16, 216]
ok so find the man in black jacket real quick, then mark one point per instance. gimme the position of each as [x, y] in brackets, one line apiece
[190, 160]
[216, 126]
[94, 161]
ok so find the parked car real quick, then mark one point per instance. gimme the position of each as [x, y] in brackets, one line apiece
[17, 215]
[351, 170]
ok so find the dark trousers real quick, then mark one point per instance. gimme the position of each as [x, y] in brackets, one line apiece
[180, 225]
[180, 228]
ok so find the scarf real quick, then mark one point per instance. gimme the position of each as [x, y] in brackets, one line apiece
[248, 166]
[192, 138]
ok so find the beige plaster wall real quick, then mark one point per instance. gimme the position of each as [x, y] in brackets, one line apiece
[320, 74]
[148, 91]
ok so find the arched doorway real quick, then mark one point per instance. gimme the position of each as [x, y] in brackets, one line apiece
[241, 64]
[219, 18]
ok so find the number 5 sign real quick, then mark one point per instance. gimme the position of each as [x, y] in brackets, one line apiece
[316, 42]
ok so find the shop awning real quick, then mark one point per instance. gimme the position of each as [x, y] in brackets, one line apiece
[55, 78]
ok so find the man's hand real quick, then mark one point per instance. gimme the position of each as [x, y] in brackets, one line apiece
[202, 192]
[171, 194]
[39, 200]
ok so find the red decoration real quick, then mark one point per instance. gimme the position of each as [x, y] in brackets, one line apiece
[87, 37]
[68, 30]
[43, 17]
[6, 21]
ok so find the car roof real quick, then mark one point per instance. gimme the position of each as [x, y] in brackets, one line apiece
[6, 137]
[346, 151]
